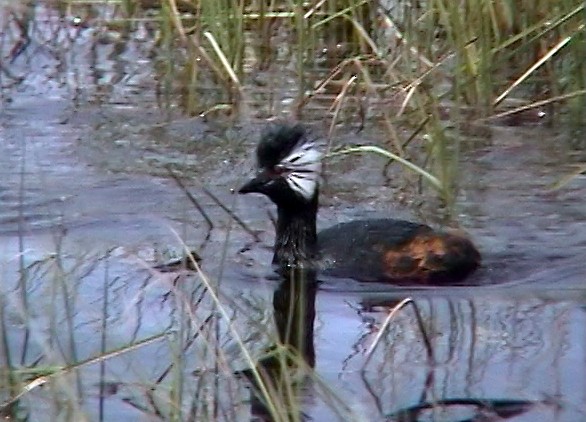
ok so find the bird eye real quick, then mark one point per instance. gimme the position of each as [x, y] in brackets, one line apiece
[278, 171]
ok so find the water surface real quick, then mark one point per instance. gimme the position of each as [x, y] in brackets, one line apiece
[87, 208]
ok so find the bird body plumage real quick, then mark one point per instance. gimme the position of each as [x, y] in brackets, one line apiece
[367, 250]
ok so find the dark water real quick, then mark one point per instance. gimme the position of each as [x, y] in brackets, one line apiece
[87, 208]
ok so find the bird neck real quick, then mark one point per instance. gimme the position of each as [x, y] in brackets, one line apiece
[296, 239]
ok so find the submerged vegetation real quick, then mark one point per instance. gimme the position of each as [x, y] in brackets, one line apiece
[432, 74]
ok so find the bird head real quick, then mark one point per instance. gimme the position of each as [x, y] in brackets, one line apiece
[289, 166]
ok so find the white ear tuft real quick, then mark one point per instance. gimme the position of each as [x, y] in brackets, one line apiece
[302, 168]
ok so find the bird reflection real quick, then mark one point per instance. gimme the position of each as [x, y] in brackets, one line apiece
[283, 369]
[294, 307]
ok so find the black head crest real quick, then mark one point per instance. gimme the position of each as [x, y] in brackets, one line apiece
[277, 142]
[287, 160]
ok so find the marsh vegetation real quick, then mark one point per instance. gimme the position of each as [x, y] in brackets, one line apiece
[124, 126]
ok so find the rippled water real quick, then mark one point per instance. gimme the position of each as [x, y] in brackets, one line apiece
[87, 208]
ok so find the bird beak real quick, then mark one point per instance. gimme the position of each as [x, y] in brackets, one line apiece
[256, 184]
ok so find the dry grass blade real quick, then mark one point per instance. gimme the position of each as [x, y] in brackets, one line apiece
[313, 9]
[435, 182]
[536, 104]
[194, 201]
[174, 16]
[581, 169]
[389, 24]
[231, 213]
[387, 322]
[386, 120]
[37, 382]
[534, 67]
[410, 92]
[364, 35]
[331, 75]
[214, 295]
[540, 29]
[223, 59]
[340, 13]
[176, 21]
[338, 102]
[383, 329]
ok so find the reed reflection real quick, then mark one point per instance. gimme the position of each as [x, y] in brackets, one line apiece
[285, 368]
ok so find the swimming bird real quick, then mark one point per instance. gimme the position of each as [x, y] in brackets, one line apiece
[381, 250]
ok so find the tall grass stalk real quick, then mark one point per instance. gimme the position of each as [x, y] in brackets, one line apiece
[475, 57]
[404, 63]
